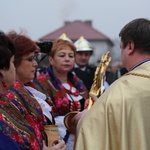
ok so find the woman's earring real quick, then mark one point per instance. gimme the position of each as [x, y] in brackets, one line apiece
[4, 84]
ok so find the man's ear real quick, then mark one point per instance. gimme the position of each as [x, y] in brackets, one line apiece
[131, 47]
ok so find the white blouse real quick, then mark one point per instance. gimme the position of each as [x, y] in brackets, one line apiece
[40, 97]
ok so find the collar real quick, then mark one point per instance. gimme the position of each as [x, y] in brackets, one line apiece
[142, 62]
[83, 68]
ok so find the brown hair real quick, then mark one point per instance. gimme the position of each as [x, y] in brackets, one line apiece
[60, 44]
[24, 45]
[138, 31]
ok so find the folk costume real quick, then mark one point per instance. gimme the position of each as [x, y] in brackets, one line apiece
[18, 130]
[65, 98]
[43, 99]
[119, 119]
[26, 98]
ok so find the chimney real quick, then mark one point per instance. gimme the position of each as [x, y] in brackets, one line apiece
[89, 22]
[67, 22]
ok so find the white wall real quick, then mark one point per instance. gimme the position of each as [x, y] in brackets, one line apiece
[100, 48]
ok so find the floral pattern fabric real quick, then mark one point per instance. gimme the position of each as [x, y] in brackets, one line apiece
[34, 113]
[59, 99]
[17, 126]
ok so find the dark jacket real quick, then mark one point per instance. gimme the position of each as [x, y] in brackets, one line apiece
[86, 76]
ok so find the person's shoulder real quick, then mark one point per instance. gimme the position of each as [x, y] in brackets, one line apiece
[91, 67]
[75, 68]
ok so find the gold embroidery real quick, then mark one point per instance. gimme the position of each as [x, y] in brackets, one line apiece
[138, 74]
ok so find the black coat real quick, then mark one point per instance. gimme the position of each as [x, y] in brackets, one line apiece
[86, 76]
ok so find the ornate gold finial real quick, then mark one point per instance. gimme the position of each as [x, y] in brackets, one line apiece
[96, 88]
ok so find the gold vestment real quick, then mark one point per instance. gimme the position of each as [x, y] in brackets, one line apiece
[120, 118]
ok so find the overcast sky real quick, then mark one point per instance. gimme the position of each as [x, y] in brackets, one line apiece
[39, 17]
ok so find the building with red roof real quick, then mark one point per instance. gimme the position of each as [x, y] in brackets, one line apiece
[100, 42]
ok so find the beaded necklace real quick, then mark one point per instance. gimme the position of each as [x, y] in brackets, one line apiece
[70, 91]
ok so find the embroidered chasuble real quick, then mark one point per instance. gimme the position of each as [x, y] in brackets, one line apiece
[120, 118]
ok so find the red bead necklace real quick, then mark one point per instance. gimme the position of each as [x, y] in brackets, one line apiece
[76, 93]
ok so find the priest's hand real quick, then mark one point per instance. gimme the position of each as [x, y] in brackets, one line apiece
[79, 115]
[60, 146]
[89, 102]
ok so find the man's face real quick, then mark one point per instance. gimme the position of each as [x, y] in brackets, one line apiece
[82, 58]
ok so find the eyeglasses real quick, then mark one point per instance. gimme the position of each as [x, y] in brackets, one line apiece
[30, 59]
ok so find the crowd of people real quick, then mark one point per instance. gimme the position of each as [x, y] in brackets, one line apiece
[118, 120]
[22, 119]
